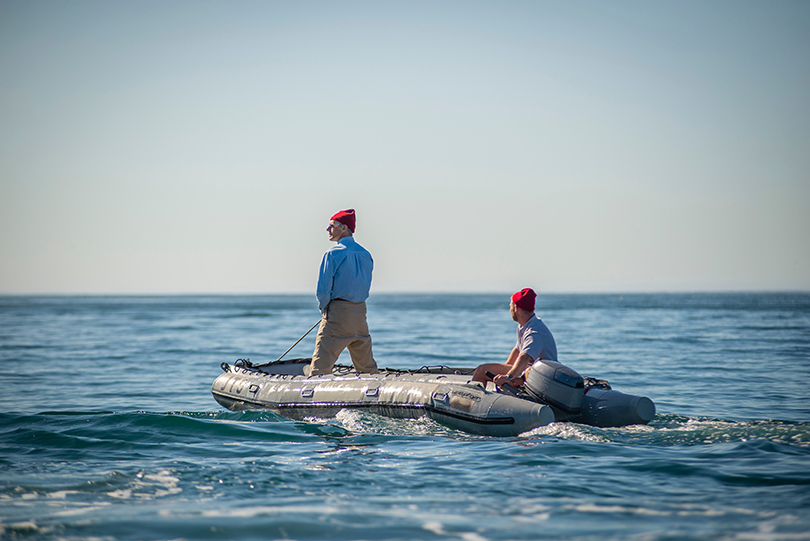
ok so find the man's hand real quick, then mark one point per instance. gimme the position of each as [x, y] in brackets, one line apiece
[500, 379]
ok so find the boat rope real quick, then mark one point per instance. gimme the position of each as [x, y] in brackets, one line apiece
[243, 363]
[593, 383]
[344, 370]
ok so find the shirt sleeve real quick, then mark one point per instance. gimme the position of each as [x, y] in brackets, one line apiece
[326, 278]
[532, 345]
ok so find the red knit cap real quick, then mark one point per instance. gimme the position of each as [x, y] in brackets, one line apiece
[345, 217]
[524, 299]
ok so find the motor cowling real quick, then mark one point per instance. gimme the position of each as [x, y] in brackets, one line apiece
[556, 385]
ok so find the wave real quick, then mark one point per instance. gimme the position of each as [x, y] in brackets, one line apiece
[89, 433]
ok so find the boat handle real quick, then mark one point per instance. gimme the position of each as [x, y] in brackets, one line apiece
[373, 392]
[253, 388]
[440, 396]
[306, 393]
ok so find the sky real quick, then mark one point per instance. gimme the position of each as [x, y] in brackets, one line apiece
[152, 147]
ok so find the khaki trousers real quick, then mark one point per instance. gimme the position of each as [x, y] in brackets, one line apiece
[343, 326]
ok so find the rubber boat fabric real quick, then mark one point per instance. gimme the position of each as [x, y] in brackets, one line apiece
[553, 392]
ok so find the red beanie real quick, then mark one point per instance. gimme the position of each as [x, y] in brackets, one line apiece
[345, 217]
[524, 299]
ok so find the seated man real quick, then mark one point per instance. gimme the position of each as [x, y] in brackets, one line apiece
[534, 341]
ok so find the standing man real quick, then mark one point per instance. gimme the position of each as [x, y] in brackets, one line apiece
[534, 341]
[343, 286]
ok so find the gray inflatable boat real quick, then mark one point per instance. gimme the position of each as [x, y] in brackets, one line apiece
[552, 392]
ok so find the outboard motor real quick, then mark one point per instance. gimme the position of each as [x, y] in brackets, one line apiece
[556, 385]
[611, 408]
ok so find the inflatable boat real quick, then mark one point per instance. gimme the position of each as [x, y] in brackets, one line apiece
[552, 392]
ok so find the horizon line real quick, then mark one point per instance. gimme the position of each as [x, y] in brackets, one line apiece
[396, 292]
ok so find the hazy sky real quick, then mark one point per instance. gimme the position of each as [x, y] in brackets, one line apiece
[201, 147]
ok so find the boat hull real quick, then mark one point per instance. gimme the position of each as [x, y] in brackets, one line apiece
[444, 394]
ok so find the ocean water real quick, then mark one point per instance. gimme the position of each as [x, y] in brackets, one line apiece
[108, 429]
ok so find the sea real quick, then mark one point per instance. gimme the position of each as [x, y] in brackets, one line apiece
[109, 431]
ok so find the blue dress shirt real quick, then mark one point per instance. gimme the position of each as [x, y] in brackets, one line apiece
[345, 273]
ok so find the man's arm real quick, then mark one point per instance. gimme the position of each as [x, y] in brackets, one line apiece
[524, 361]
[325, 278]
[519, 361]
[513, 355]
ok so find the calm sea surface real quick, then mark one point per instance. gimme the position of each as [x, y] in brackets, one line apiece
[108, 429]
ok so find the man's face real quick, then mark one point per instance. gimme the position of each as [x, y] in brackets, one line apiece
[336, 230]
[513, 310]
